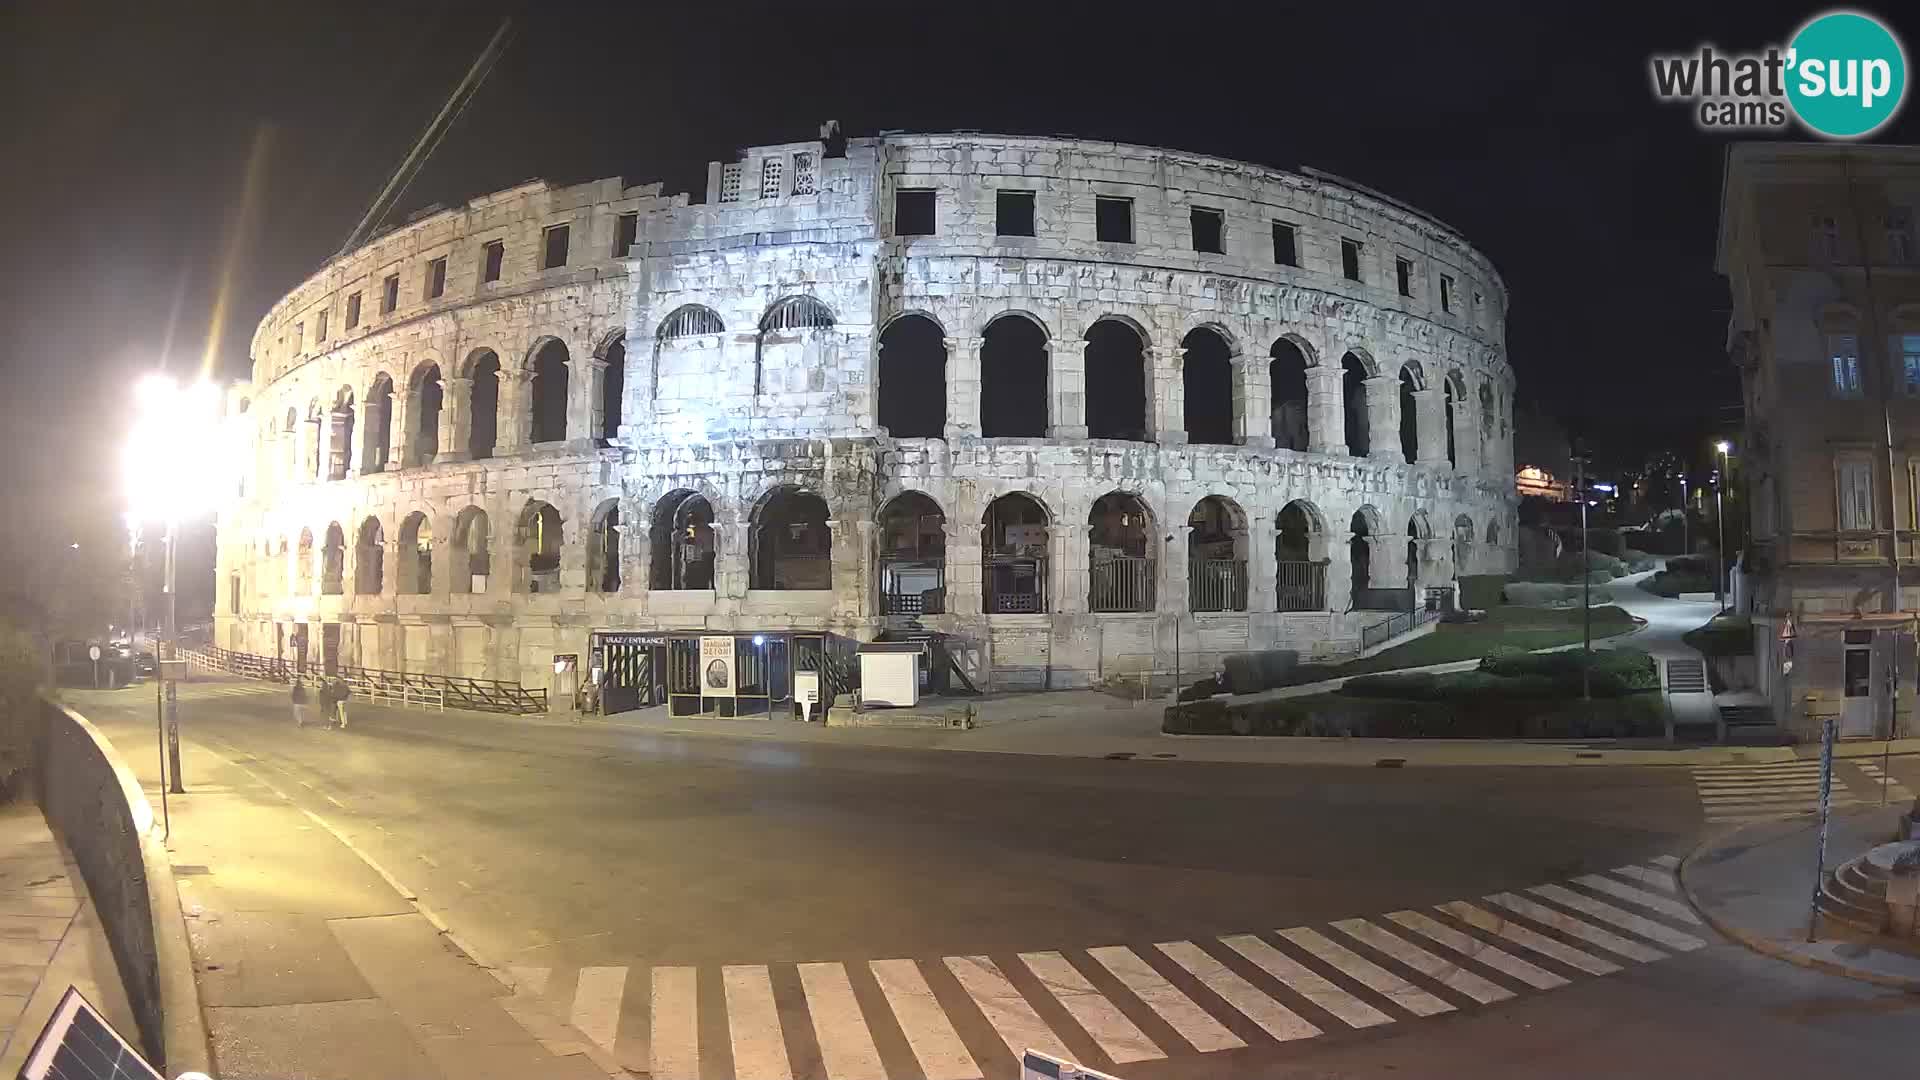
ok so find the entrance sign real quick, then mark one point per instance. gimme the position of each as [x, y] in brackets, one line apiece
[716, 666]
[806, 693]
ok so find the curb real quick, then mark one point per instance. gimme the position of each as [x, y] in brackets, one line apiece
[1766, 946]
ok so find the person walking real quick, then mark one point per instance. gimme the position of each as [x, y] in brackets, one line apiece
[340, 695]
[299, 703]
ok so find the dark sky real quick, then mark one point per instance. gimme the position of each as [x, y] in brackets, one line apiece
[126, 130]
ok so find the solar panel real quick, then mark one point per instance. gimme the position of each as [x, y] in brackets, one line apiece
[79, 1044]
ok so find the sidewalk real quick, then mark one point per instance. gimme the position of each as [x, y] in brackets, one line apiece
[50, 938]
[1755, 885]
[314, 963]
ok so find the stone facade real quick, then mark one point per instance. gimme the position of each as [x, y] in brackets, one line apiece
[733, 352]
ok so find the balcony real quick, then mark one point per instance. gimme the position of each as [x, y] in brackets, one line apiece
[1120, 583]
[1217, 584]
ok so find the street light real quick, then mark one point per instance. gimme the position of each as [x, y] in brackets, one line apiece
[1586, 587]
[173, 451]
[1720, 582]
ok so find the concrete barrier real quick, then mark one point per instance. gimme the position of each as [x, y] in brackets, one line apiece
[93, 802]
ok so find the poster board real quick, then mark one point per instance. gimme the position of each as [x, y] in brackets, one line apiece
[806, 693]
[716, 666]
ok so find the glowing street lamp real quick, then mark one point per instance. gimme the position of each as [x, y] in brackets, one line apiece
[175, 448]
[1720, 482]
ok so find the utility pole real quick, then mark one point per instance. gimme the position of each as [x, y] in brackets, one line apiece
[170, 671]
[1720, 571]
[1586, 585]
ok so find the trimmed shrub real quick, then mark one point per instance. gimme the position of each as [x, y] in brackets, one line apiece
[1249, 672]
[1637, 561]
[1670, 584]
[1482, 590]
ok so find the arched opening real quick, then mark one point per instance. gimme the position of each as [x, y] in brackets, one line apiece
[1419, 531]
[1013, 553]
[1488, 416]
[303, 564]
[1360, 553]
[792, 548]
[1409, 416]
[469, 560]
[549, 409]
[1493, 534]
[682, 542]
[483, 424]
[424, 392]
[379, 436]
[291, 436]
[333, 562]
[789, 322]
[1217, 556]
[318, 422]
[603, 549]
[1300, 551]
[613, 384]
[416, 555]
[913, 556]
[913, 378]
[1013, 379]
[340, 438]
[1462, 545]
[1116, 381]
[369, 557]
[1207, 379]
[538, 536]
[1287, 382]
[1353, 393]
[1120, 563]
[1452, 394]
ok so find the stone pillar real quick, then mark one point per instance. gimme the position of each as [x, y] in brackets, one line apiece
[1067, 385]
[514, 416]
[1173, 584]
[586, 375]
[1466, 436]
[1067, 547]
[852, 553]
[317, 444]
[730, 570]
[390, 554]
[1383, 418]
[963, 388]
[1388, 567]
[1430, 425]
[1166, 395]
[1326, 410]
[1339, 574]
[965, 589]
[456, 414]
[1252, 402]
[352, 434]
[1263, 553]
[398, 418]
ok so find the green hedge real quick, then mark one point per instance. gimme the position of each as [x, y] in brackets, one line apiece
[1512, 674]
[1728, 635]
[1669, 584]
[1483, 716]
[1482, 591]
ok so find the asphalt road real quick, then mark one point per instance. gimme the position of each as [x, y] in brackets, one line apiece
[560, 849]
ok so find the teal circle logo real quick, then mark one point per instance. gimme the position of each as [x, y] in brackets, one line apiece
[1847, 74]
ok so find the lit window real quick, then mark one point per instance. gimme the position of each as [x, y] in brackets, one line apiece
[1844, 349]
[1856, 494]
[1910, 362]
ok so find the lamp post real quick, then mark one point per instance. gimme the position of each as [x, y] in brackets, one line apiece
[1686, 522]
[172, 463]
[1720, 582]
[1586, 584]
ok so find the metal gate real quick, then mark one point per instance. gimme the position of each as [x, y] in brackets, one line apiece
[763, 677]
[628, 678]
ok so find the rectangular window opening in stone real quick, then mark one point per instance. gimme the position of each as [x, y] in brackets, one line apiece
[1844, 352]
[1856, 494]
[492, 256]
[730, 182]
[625, 233]
[353, 310]
[770, 178]
[389, 294]
[1350, 259]
[320, 325]
[1013, 213]
[1403, 274]
[1446, 293]
[437, 278]
[1113, 219]
[1284, 252]
[1909, 348]
[913, 212]
[553, 247]
[804, 176]
[1208, 225]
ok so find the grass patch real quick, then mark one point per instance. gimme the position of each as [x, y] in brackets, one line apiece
[1519, 628]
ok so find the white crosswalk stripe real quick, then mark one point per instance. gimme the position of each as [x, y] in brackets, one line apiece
[1002, 1004]
[1117, 1035]
[930, 1035]
[1896, 792]
[1473, 948]
[846, 1046]
[1306, 982]
[1361, 973]
[1445, 972]
[1274, 1018]
[1739, 794]
[1194, 1024]
[1672, 909]
[753, 1023]
[1567, 924]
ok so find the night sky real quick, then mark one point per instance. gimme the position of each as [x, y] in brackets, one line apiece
[126, 134]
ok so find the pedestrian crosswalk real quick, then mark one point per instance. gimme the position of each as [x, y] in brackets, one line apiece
[970, 1017]
[1738, 794]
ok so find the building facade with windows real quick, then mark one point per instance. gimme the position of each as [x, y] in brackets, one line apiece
[1088, 409]
[1817, 243]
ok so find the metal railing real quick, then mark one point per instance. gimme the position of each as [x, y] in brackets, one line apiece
[1301, 586]
[1005, 574]
[1217, 584]
[1400, 622]
[443, 691]
[1120, 583]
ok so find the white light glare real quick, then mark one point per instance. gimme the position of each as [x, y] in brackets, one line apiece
[176, 454]
[1723, 446]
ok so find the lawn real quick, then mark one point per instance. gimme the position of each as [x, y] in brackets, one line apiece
[1635, 714]
[1512, 627]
